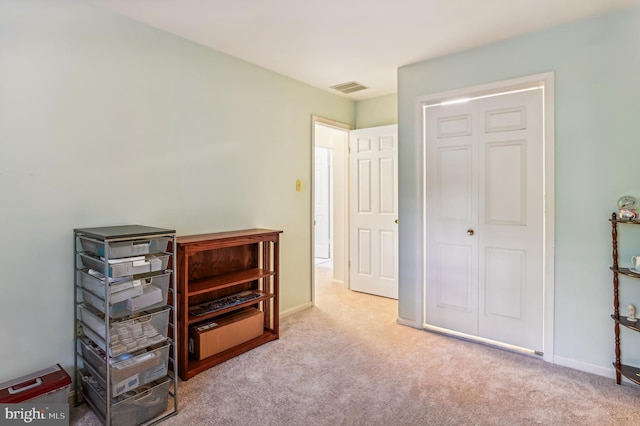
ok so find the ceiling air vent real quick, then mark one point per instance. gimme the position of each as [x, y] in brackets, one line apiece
[349, 87]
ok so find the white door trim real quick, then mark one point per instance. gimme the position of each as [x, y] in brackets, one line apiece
[345, 127]
[547, 81]
[323, 196]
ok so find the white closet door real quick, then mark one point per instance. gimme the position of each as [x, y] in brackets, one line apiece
[511, 218]
[452, 213]
[484, 180]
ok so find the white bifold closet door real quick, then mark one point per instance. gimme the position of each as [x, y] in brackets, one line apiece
[484, 218]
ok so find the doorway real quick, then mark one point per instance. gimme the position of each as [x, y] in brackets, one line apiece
[330, 205]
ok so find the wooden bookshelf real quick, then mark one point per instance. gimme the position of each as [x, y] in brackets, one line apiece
[218, 265]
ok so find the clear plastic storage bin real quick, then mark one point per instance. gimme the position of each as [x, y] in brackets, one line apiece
[126, 248]
[133, 407]
[131, 295]
[128, 265]
[129, 371]
[126, 336]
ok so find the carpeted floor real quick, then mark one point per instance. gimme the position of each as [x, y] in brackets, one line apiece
[346, 362]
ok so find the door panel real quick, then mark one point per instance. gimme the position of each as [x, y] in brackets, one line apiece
[505, 280]
[388, 254]
[451, 263]
[387, 186]
[506, 119]
[364, 252]
[454, 126]
[374, 236]
[454, 303]
[455, 284]
[511, 214]
[364, 186]
[505, 198]
[455, 184]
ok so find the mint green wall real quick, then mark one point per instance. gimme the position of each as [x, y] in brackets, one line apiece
[597, 130]
[375, 112]
[104, 121]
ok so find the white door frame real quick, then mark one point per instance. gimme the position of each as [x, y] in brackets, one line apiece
[323, 196]
[547, 81]
[344, 127]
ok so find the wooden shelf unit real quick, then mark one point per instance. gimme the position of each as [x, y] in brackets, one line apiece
[212, 266]
[630, 372]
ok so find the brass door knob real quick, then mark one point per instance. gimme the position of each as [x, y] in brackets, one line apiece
[470, 232]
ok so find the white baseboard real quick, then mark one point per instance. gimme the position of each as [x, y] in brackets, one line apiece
[339, 282]
[585, 366]
[409, 323]
[296, 309]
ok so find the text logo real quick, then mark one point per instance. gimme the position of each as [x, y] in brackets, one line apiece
[36, 414]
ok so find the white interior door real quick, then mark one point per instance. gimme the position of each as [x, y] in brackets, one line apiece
[452, 213]
[322, 196]
[374, 210]
[484, 225]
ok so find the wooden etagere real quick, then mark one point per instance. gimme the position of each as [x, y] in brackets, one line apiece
[622, 370]
[218, 265]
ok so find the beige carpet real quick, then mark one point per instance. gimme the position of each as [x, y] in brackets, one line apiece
[347, 362]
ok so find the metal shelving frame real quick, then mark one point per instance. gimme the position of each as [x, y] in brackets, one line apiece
[108, 236]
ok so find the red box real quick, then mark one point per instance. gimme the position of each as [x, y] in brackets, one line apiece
[48, 386]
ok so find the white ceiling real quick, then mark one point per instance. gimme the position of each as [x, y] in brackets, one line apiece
[328, 42]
